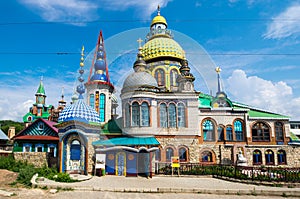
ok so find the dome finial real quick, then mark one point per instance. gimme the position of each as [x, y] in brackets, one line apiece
[218, 70]
[80, 88]
[158, 10]
[140, 43]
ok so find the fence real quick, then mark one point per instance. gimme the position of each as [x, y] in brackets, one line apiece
[259, 173]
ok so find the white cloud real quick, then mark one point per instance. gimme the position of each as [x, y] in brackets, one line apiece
[63, 10]
[254, 91]
[146, 7]
[285, 24]
[21, 95]
[78, 11]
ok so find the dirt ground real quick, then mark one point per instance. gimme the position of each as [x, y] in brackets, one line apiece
[7, 177]
[20, 192]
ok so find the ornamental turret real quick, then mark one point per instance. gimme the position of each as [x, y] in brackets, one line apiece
[99, 88]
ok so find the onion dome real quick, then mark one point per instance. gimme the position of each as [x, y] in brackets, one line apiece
[159, 20]
[162, 47]
[79, 111]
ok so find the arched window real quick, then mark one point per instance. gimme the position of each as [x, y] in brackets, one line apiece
[281, 157]
[92, 101]
[260, 132]
[206, 156]
[169, 153]
[75, 150]
[127, 115]
[181, 115]
[157, 155]
[160, 77]
[173, 77]
[102, 107]
[238, 130]
[208, 130]
[172, 115]
[97, 101]
[145, 114]
[163, 120]
[257, 157]
[220, 133]
[229, 136]
[269, 156]
[182, 154]
[135, 114]
[279, 131]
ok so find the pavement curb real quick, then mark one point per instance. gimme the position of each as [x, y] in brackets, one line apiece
[255, 192]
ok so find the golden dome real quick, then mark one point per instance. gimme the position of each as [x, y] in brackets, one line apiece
[162, 47]
[159, 19]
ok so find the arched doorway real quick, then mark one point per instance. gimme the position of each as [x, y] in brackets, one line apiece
[143, 163]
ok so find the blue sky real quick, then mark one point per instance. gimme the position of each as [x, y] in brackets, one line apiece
[256, 43]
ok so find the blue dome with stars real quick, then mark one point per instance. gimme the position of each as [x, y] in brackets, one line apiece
[81, 112]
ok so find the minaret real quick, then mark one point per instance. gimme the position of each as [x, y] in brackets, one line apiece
[99, 88]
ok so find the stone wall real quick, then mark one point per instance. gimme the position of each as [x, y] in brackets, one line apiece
[38, 159]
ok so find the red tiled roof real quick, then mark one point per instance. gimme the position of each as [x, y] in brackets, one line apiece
[36, 137]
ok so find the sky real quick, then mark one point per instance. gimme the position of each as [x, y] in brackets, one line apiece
[256, 44]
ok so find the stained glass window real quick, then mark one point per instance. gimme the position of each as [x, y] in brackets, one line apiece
[229, 136]
[92, 101]
[102, 107]
[145, 114]
[257, 157]
[172, 115]
[135, 114]
[238, 130]
[181, 115]
[208, 130]
[163, 121]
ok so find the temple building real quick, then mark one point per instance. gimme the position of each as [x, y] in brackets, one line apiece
[163, 116]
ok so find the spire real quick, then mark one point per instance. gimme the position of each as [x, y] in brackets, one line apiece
[158, 10]
[218, 70]
[80, 88]
[99, 63]
[41, 89]
[139, 64]
[62, 101]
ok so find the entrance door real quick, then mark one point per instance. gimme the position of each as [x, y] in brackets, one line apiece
[121, 164]
[144, 163]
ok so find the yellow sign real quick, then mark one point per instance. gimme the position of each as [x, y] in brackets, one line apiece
[175, 162]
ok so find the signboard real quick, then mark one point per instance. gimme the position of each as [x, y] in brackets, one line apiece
[175, 162]
[100, 161]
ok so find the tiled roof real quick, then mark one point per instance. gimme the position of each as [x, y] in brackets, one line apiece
[35, 137]
[79, 111]
[3, 136]
[127, 141]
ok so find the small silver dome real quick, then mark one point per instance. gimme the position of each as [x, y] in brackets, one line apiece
[139, 79]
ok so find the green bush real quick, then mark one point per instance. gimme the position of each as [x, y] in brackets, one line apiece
[25, 175]
[63, 177]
